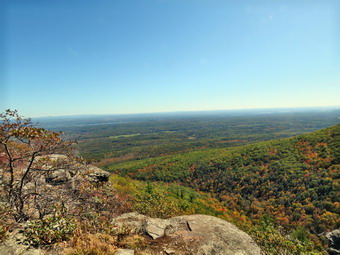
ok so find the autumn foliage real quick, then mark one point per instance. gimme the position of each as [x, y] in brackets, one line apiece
[293, 181]
[28, 156]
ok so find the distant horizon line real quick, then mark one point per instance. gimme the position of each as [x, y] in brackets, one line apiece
[186, 111]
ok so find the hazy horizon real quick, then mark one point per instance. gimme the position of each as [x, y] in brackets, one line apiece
[254, 110]
[129, 57]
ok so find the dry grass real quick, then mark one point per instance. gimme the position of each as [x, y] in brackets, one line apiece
[134, 242]
[85, 243]
[93, 244]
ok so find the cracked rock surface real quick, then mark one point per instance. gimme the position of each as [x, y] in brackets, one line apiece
[191, 234]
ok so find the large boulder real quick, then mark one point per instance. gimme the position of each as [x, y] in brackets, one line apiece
[211, 235]
[69, 175]
[68, 170]
[334, 242]
[58, 177]
[191, 234]
[97, 175]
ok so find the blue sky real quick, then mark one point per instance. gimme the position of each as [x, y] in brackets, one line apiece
[70, 57]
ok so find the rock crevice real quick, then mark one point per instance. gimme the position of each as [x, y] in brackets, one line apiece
[191, 234]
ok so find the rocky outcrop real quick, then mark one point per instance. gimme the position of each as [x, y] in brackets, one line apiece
[70, 171]
[191, 234]
[183, 235]
[58, 177]
[333, 242]
[95, 174]
[15, 245]
[89, 172]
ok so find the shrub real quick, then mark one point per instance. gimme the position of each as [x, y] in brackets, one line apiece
[154, 202]
[49, 231]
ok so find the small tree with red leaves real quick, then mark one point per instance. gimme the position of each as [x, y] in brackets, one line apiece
[28, 155]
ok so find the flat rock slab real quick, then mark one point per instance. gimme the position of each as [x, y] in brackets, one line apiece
[212, 235]
[192, 234]
[13, 246]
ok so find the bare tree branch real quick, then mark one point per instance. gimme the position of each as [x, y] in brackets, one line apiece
[28, 155]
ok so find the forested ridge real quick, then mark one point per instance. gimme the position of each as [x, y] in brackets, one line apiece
[294, 181]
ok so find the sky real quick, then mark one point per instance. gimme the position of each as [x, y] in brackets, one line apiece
[68, 57]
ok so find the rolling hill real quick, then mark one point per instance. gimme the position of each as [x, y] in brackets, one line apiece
[293, 181]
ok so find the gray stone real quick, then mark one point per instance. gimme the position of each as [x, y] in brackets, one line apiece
[95, 174]
[193, 234]
[33, 252]
[169, 251]
[132, 221]
[14, 245]
[58, 177]
[155, 227]
[333, 242]
[212, 235]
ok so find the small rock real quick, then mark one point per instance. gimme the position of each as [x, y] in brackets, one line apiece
[169, 251]
[124, 252]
